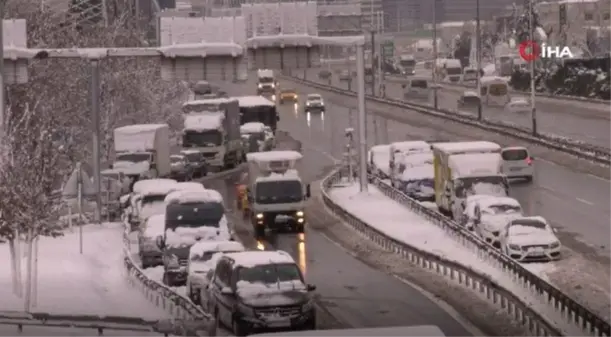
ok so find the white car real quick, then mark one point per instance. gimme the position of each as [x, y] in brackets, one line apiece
[468, 216]
[530, 239]
[314, 102]
[492, 214]
[517, 163]
[201, 261]
[518, 104]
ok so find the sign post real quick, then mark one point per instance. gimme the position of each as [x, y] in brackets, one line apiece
[78, 186]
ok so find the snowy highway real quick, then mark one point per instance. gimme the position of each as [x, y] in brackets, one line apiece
[578, 120]
[93, 283]
[577, 204]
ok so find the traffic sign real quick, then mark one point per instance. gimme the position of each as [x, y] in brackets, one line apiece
[78, 177]
[388, 50]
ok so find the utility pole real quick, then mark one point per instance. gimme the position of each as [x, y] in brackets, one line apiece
[362, 117]
[373, 60]
[2, 99]
[434, 67]
[95, 114]
[533, 107]
[478, 57]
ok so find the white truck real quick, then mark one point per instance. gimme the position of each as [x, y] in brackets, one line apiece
[266, 83]
[466, 168]
[276, 192]
[398, 151]
[142, 150]
[212, 126]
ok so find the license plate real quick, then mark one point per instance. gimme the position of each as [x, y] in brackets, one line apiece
[537, 251]
[279, 322]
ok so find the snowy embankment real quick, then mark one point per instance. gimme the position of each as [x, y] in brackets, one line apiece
[91, 283]
[396, 221]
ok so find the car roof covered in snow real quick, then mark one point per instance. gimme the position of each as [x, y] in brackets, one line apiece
[496, 200]
[154, 186]
[416, 159]
[193, 196]
[380, 148]
[529, 218]
[407, 331]
[273, 156]
[252, 101]
[189, 186]
[420, 172]
[201, 247]
[203, 121]
[475, 164]
[252, 127]
[259, 257]
[464, 147]
[410, 146]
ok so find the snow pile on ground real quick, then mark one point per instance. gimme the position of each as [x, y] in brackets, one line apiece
[93, 283]
[395, 220]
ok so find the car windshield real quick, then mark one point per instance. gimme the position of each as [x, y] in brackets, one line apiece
[288, 91]
[266, 80]
[270, 273]
[134, 157]
[283, 191]
[152, 208]
[176, 159]
[526, 226]
[490, 185]
[501, 209]
[314, 98]
[200, 214]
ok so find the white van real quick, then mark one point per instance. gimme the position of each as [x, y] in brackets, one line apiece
[495, 91]
[148, 198]
[416, 88]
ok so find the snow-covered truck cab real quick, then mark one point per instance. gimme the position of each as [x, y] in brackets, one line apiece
[258, 109]
[398, 150]
[495, 91]
[452, 69]
[142, 150]
[377, 162]
[417, 178]
[201, 261]
[148, 198]
[190, 216]
[213, 127]
[266, 83]
[457, 177]
[276, 189]
[255, 132]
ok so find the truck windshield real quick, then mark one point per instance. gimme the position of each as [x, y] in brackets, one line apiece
[134, 157]
[201, 107]
[407, 63]
[491, 185]
[193, 215]
[266, 80]
[269, 273]
[454, 71]
[276, 192]
[202, 138]
[262, 114]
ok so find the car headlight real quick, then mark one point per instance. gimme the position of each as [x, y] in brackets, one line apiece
[299, 213]
[308, 103]
[260, 85]
[307, 306]
[260, 216]
[246, 309]
[514, 247]
[554, 245]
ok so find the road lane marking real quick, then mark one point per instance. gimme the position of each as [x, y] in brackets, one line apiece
[585, 201]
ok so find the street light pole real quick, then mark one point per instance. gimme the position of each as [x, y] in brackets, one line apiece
[434, 66]
[478, 56]
[362, 120]
[95, 114]
[533, 108]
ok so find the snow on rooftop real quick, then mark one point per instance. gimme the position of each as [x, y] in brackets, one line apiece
[139, 128]
[155, 225]
[410, 146]
[493, 200]
[201, 247]
[464, 147]
[203, 121]
[288, 175]
[194, 196]
[211, 101]
[253, 101]
[202, 49]
[380, 148]
[257, 257]
[253, 127]
[154, 186]
[274, 156]
[187, 236]
[420, 172]
[475, 164]
[189, 186]
[91, 283]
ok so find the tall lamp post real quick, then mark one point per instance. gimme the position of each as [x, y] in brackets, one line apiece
[533, 108]
[478, 58]
[434, 66]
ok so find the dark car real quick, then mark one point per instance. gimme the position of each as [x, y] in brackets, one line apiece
[197, 162]
[180, 169]
[260, 290]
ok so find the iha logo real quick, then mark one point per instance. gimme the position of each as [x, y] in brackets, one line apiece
[531, 50]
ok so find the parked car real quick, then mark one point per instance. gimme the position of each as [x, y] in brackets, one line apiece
[530, 239]
[197, 162]
[180, 168]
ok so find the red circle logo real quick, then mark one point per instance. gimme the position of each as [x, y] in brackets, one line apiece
[529, 50]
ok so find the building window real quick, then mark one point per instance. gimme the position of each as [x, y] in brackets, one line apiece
[606, 16]
[589, 16]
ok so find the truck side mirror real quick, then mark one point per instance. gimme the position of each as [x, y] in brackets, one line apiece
[160, 242]
[308, 192]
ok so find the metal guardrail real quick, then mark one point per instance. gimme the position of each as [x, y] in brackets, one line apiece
[457, 86]
[576, 148]
[574, 314]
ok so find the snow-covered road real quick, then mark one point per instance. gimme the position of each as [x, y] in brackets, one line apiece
[93, 283]
[395, 220]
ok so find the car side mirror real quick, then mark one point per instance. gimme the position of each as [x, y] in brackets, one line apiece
[160, 242]
[311, 287]
[227, 291]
